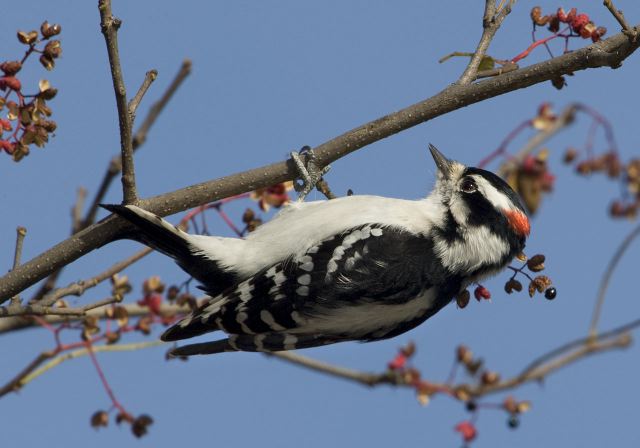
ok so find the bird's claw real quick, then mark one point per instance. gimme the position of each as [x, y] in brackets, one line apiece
[310, 173]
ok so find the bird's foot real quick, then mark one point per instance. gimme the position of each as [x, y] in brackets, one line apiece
[310, 173]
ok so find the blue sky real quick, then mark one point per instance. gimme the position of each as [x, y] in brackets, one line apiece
[270, 77]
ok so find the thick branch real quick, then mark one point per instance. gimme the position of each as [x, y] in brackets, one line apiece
[608, 53]
[109, 26]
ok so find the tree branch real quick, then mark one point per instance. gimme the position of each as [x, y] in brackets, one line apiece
[109, 26]
[604, 284]
[608, 53]
[34, 369]
[491, 23]
[543, 366]
[133, 310]
[619, 16]
[135, 102]
[115, 165]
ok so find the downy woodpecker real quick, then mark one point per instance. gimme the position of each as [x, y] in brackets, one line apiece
[357, 268]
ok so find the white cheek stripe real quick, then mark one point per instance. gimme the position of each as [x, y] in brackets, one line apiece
[499, 200]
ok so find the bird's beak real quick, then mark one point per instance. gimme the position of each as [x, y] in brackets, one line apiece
[444, 165]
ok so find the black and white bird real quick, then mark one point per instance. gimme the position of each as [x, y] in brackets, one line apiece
[357, 268]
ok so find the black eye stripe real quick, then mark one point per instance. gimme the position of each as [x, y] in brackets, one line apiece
[498, 184]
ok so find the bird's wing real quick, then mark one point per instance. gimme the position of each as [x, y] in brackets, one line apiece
[356, 270]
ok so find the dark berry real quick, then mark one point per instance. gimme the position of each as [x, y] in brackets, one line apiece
[550, 293]
[471, 406]
[513, 421]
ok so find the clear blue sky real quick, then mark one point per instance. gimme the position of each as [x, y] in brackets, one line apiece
[269, 77]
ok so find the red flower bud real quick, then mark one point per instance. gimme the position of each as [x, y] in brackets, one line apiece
[481, 293]
[397, 363]
[467, 430]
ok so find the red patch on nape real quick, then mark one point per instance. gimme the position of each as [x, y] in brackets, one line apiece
[518, 222]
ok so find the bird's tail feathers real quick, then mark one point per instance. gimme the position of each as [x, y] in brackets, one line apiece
[203, 348]
[177, 244]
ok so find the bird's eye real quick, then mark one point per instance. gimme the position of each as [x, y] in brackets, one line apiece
[468, 185]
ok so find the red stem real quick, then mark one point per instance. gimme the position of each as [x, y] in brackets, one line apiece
[105, 383]
[503, 146]
[537, 43]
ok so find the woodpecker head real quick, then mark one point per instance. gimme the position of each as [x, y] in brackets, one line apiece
[476, 198]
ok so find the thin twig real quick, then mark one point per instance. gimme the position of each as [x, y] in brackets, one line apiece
[76, 211]
[604, 283]
[33, 370]
[491, 23]
[132, 309]
[21, 232]
[135, 102]
[139, 138]
[109, 26]
[545, 365]
[78, 288]
[115, 165]
[365, 378]
[619, 16]
[41, 310]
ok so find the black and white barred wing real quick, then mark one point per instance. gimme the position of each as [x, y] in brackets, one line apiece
[367, 283]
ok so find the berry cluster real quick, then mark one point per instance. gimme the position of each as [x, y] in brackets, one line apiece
[474, 367]
[609, 163]
[580, 24]
[538, 284]
[27, 115]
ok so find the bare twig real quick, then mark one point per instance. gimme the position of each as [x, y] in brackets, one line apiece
[21, 232]
[543, 366]
[604, 284]
[41, 310]
[135, 102]
[45, 306]
[115, 165]
[619, 16]
[133, 310]
[36, 367]
[140, 137]
[78, 288]
[491, 23]
[76, 211]
[607, 53]
[365, 378]
[109, 26]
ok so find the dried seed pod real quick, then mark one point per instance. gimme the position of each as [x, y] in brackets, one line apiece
[536, 263]
[99, 418]
[462, 299]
